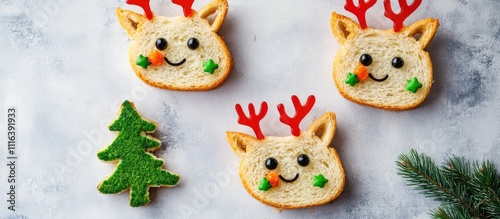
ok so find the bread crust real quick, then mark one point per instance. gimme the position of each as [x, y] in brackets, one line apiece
[287, 206]
[345, 94]
[214, 85]
[221, 6]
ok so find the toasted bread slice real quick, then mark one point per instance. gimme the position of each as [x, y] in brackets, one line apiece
[319, 181]
[179, 53]
[137, 169]
[397, 75]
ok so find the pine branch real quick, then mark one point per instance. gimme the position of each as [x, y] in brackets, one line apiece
[421, 172]
[458, 169]
[451, 185]
[460, 172]
[486, 184]
[450, 212]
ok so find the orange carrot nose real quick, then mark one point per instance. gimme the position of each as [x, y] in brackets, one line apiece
[361, 72]
[273, 178]
[156, 58]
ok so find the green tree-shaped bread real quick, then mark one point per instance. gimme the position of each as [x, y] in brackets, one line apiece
[137, 169]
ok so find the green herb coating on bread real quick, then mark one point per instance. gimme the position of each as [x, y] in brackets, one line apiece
[136, 169]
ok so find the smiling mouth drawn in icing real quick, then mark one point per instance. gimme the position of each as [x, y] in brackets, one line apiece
[174, 64]
[289, 180]
[376, 79]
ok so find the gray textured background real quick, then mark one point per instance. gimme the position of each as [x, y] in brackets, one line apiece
[64, 65]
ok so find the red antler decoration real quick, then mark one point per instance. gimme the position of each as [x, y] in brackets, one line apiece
[144, 4]
[406, 10]
[360, 11]
[253, 119]
[301, 112]
[186, 6]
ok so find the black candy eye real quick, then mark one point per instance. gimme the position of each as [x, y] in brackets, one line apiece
[271, 163]
[161, 44]
[397, 62]
[193, 43]
[303, 160]
[366, 59]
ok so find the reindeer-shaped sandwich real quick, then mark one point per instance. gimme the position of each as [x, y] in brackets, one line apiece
[178, 53]
[296, 171]
[387, 69]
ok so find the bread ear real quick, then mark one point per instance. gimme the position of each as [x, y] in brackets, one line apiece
[343, 27]
[324, 128]
[423, 31]
[239, 142]
[219, 6]
[129, 21]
